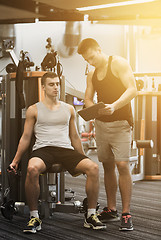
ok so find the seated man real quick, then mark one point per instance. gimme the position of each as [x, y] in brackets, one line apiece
[57, 141]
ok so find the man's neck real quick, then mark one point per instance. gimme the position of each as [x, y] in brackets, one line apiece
[104, 62]
[51, 102]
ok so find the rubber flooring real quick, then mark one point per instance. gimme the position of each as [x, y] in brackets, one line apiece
[145, 210]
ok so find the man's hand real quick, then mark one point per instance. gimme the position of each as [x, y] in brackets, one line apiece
[108, 110]
[13, 168]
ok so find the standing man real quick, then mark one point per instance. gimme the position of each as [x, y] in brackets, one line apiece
[57, 141]
[113, 81]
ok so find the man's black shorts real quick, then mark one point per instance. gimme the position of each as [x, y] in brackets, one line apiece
[69, 158]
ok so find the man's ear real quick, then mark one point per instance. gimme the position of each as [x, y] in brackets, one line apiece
[43, 87]
[99, 50]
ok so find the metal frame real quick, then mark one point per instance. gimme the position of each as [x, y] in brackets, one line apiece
[147, 126]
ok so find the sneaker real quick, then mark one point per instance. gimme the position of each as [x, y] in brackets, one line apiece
[93, 222]
[108, 215]
[33, 225]
[126, 222]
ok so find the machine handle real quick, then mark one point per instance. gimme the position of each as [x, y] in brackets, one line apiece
[144, 143]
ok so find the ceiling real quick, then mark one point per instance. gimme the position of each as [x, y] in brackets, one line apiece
[19, 11]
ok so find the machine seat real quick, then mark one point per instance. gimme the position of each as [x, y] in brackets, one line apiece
[56, 168]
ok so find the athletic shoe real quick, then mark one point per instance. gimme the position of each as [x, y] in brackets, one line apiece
[126, 222]
[108, 215]
[93, 222]
[33, 225]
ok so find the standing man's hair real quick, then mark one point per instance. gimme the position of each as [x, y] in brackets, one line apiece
[48, 75]
[87, 43]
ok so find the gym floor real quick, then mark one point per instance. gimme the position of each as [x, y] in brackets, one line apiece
[145, 209]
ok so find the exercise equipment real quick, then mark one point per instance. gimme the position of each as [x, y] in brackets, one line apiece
[25, 57]
[7, 206]
[88, 139]
[51, 60]
[8, 46]
[139, 84]
[147, 115]
[53, 195]
[11, 68]
[144, 143]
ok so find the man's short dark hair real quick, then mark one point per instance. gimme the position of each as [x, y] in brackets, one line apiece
[87, 43]
[48, 75]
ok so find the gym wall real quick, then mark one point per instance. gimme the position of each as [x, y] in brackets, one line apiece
[32, 38]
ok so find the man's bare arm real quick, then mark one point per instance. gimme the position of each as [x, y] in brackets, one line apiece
[73, 133]
[89, 93]
[26, 136]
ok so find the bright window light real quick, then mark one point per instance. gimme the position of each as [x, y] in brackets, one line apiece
[109, 5]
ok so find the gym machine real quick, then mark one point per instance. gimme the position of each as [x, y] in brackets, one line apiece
[147, 116]
[52, 184]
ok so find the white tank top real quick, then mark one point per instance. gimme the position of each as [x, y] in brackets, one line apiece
[52, 126]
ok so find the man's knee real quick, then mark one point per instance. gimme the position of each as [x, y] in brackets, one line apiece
[32, 171]
[93, 169]
[123, 167]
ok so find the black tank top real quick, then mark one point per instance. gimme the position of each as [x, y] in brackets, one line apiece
[109, 90]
